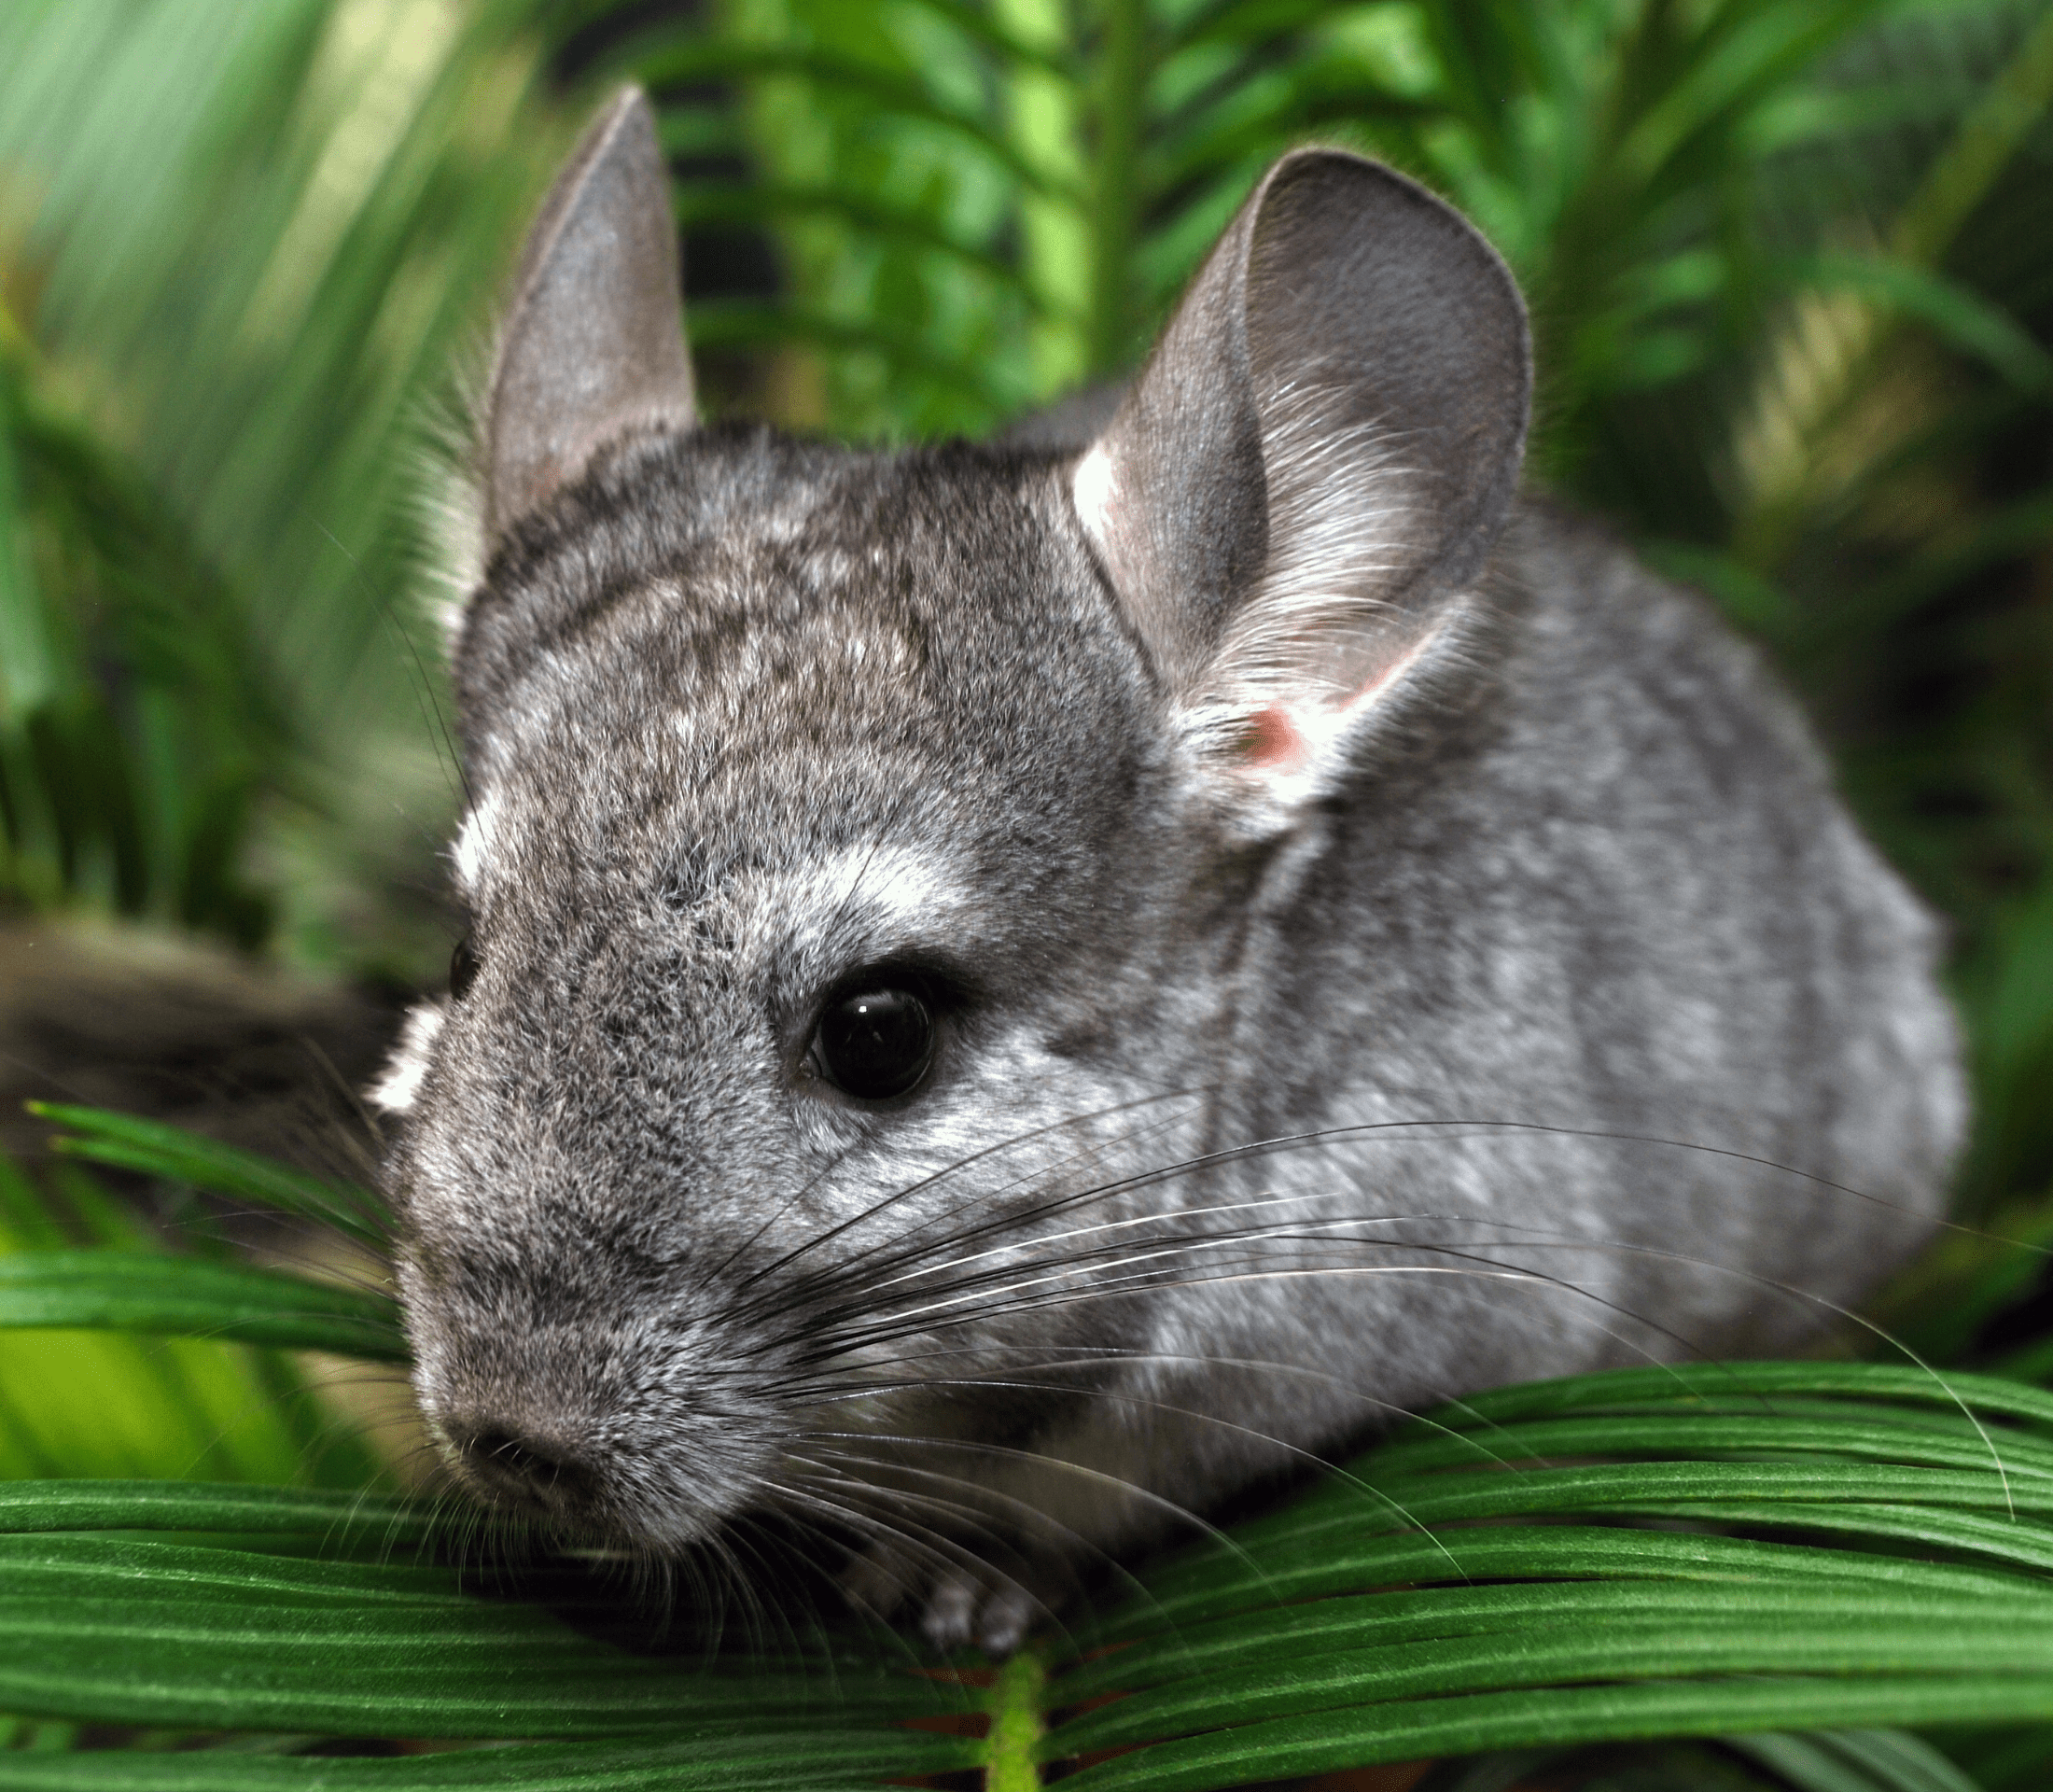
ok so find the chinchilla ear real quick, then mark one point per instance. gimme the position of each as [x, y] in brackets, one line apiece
[594, 346]
[1315, 462]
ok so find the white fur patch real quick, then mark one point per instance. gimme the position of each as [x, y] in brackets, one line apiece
[900, 886]
[1093, 487]
[475, 844]
[873, 898]
[395, 1091]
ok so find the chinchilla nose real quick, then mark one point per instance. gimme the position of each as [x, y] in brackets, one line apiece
[543, 1477]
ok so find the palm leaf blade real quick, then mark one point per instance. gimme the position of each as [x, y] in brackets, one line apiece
[137, 1291]
[1559, 1716]
[120, 1631]
[150, 1148]
[827, 1762]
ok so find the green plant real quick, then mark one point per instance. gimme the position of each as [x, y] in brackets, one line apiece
[1731, 1552]
[247, 245]
[130, 791]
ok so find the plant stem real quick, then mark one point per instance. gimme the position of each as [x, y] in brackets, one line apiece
[1122, 91]
[1017, 1723]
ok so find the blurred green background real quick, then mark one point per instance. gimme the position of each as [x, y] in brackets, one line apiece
[1791, 264]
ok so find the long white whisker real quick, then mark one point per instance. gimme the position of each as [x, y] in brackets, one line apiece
[1147, 1404]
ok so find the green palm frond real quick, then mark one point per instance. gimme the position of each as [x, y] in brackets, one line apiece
[1650, 1553]
[248, 244]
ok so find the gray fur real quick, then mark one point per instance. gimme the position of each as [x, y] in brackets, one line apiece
[1512, 860]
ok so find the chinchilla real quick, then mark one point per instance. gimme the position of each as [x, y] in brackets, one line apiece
[1013, 991]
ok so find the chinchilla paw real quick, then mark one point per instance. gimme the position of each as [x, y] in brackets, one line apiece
[994, 1615]
[958, 1608]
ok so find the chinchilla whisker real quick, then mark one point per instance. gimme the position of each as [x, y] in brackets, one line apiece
[859, 1270]
[1030, 1254]
[1097, 1357]
[1170, 1408]
[1118, 1275]
[769, 1631]
[1013, 1142]
[802, 1538]
[1524, 1237]
[1017, 1220]
[973, 1521]
[860, 1264]
[1026, 1255]
[1062, 1297]
[1092, 1356]
[956, 1167]
[974, 1514]
[1326, 1233]
[922, 1540]
[1158, 1503]
[1391, 1132]
[1031, 1518]
[1538, 1239]
[1040, 1241]
[759, 1619]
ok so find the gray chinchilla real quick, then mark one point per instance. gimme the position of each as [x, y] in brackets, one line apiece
[1015, 991]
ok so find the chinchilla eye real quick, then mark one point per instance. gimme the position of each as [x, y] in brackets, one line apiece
[463, 969]
[875, 1043]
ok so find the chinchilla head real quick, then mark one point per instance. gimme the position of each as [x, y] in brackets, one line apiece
[862, 843]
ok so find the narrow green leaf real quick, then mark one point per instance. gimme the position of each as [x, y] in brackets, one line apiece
[1871, 1435]
[28, 659]
[828, 1761]
[1418, 1730]
[723, 322]
[126, 1142]
[30, 1507]
[981, 27]
[1536, 1656]
[1400, 1503]
[136, 1630]
[1316, 1629]
[1263, 118]
[1959, 314]
[1333, 1563]
[1747, 1387]
[1249, 20]
[137, 1291]
[739, 202]
[711, 59]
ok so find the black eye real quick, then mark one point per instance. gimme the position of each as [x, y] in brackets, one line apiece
[463, 969]
[875, 1043]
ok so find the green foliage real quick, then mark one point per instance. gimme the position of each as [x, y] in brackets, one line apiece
[249, 242]
[135, 713]
[1651, 1553]
[1743, 1551]
[125, 1141]
[113, 1352]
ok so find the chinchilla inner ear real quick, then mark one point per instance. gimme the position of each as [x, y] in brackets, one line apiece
[1314, 463]
[594, 346]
